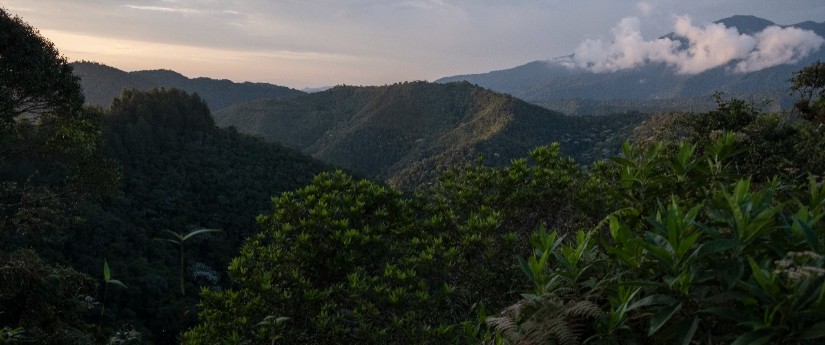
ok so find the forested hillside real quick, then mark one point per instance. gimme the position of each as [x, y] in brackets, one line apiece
[83, 186]
[145, 223]
[101, 84]
[409, 133]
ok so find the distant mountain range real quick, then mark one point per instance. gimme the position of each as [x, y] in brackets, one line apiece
[101, 84]
[654, 87]
[408, 133]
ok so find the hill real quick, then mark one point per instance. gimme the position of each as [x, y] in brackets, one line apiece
[551, 84]
[179, 173]
[102, 83]
[407, 133]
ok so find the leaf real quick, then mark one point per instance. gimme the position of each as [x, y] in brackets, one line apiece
[762, 278]
[725, 313]
[116, 282]
[174, 234]
[753, 338]
[810, 236]
[816, 331]
[198, 232]
[716, 246]
[107, 275]
[661, 317]
[687, 329]
[526, 268]
[652, 300]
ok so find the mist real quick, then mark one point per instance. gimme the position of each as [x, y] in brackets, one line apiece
[704, 47]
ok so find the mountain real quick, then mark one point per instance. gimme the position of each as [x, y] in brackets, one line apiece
[551, 84]
[407, 133]
[102, 83]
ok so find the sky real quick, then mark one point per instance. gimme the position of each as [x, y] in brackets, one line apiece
[313, 43]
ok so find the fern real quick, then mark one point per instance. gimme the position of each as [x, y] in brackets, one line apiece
[546, 321]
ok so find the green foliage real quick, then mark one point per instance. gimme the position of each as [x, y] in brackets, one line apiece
[51, 169]
[50, 161]
[769, 144]
[180, 238]
[36, 80]
[10, 335]
[408, 134]
[348, 260]
[809, 84]
[693, 254]
[42, 303]
[178, 173]
[345, 261]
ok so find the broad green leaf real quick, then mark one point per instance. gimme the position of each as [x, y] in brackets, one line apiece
[526, 268]
[753, 338]
[716, 246]
[107, 275]
[652, 300]
[725, 313]
[174, 234]
[198, 232]
[116, 282]
[815, 332]
[687, 328]
[810, 236]
[762, 277]
[661, 317]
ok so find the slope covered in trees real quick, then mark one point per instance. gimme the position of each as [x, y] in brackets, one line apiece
[409, 133]
[695, 234]
[101, 84]
[89, 198]
[707, 229]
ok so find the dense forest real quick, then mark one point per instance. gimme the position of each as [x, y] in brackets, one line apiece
[144, 223]
[407, 134]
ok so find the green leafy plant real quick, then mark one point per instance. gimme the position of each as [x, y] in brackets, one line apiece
[107, 279]
[10, 335]
[696, 254]
[179, 238]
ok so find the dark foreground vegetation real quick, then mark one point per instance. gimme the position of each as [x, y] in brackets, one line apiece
[707, 229]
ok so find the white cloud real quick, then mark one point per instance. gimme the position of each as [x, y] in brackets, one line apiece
[162, 9]
[708, 46]
[779, 46]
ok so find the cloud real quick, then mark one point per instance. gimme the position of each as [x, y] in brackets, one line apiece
[162, 9]
[694, 49]
[645, 7]
[779, 46]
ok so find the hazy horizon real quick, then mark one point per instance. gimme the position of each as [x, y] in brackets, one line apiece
[358, 42]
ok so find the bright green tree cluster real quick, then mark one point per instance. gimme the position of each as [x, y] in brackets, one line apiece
[340, 261]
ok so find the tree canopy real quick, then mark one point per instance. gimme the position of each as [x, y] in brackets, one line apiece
[809, 84]
[34, 78]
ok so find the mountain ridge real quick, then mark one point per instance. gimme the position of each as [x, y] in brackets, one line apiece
[102, 83]
[547, 82]
[408, 133]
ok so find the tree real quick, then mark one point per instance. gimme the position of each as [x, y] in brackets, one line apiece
[50, 168]
[50, 157]
[346, 261]
[809, 84]
[34, 78]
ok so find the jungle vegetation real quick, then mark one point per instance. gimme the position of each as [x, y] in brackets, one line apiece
[705, 228]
